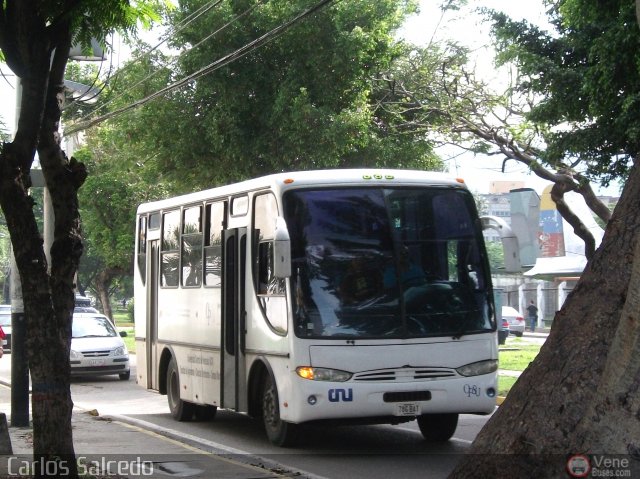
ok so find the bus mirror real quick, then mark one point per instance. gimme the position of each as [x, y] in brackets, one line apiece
[281, 250]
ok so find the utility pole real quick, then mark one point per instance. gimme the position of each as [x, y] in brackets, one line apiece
[19, 362]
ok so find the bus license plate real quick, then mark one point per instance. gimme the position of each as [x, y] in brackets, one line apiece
[408, 409]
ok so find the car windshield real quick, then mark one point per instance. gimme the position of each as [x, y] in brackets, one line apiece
[381, 263]
[92, 327]
[5, 319]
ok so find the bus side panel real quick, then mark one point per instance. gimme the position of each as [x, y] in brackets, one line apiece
[189, 322]
[199, 371]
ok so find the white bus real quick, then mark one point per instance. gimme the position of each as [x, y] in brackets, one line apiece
[352, 296]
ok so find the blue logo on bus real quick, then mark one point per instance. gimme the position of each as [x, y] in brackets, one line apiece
[337, 395]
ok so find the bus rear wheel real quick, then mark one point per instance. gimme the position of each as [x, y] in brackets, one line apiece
[437, 427]
[279, 432]
[180, 410]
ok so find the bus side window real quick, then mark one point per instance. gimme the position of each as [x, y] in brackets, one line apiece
[271, 290]
[214, 224]
[142, 247]
[191, 253]
[170, 255]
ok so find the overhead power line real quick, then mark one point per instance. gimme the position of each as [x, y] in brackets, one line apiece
[169, 63]
[227, 59]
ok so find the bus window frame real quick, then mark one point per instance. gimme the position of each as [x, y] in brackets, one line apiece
[184, 235]
[207, 236]
[163, 252]
[241, 202]
[282, 328]
[142, 246]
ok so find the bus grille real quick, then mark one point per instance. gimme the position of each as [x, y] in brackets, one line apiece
[405, 374]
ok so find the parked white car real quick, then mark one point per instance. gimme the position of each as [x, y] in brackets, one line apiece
[515, 320]
[97, 348]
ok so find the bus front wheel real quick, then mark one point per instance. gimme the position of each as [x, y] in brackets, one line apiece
[279, 432]
[180, 410]
[437, 427]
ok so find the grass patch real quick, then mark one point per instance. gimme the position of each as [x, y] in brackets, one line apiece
[130, 339]
[121, 318]
[505, 383]
[515, 356]
[518, 357]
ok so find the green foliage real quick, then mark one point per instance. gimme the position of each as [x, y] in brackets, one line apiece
[302, 101]
[108, 216]
[586, 75]
[518, 358]
[306, 100]
[495, 251]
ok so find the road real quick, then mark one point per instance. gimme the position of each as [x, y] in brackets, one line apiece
[329, 452]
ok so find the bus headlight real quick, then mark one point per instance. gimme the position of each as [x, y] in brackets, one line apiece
[479, 368]
[322, 374]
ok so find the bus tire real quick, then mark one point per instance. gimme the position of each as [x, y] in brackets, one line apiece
[279, 432]
[205, 413]
[180, 410]
[438, 427]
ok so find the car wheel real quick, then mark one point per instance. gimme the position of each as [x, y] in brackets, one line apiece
[125, 376]
[180, 410]
[205, 413]
[437, 427]
[279, 432]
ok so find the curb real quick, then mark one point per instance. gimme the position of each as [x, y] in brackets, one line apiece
[211, 447]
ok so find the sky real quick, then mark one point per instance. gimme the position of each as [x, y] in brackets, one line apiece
[466, 27]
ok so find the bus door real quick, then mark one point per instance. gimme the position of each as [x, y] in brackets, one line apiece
[152, 311]
[233, 389]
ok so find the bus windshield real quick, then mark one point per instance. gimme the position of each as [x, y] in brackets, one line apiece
[387, 263]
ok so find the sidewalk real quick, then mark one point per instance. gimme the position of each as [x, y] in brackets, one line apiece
[109, 446]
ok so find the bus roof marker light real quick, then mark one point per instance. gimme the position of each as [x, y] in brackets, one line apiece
[389, 177]
[366, 177]
[377, 177]
[460, 180]
[288, 181]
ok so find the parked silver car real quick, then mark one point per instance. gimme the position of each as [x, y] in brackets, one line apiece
[97, 348]
[515, 320]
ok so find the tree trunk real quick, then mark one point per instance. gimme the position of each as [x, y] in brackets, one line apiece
[48, 296]
[580, 395]
[102, 283]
